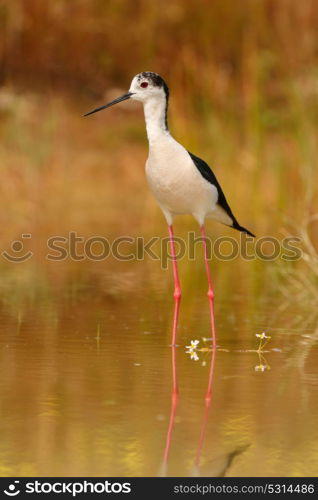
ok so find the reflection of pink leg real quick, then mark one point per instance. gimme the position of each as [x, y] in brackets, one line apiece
[177, 287]
[208, 398]
[210, 287]
[174, 402]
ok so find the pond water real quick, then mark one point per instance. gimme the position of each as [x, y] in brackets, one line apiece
[86, 374]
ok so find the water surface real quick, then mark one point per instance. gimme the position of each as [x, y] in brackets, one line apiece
[86, 374]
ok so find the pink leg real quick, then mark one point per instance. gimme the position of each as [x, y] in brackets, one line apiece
[210, 287]
[173, 346]
[177, 287]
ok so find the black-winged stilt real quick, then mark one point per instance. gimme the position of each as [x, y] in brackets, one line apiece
[181, 182]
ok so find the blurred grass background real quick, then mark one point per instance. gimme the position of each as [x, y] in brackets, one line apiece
[244, 95]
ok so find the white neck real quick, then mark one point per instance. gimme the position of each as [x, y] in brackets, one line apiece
[155, 116]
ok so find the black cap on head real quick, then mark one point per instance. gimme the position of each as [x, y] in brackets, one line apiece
[156, 80]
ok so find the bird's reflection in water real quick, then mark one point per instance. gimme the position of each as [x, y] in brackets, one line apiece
[218, 466]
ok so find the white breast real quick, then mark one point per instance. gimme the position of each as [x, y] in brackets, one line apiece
[176, 182]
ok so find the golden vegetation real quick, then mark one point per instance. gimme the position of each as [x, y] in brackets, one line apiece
[243, 78]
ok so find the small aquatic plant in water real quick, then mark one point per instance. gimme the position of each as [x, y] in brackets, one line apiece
[263, 340]
[262, 337]
[193, 349]
[193, 345]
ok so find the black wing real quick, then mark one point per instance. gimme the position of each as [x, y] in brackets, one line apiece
[208, 175]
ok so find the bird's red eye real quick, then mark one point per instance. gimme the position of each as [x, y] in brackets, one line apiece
[144, 85]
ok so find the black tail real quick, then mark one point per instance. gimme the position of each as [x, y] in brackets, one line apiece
[242, 229]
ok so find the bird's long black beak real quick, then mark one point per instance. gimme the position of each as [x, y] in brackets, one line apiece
[115, 101]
